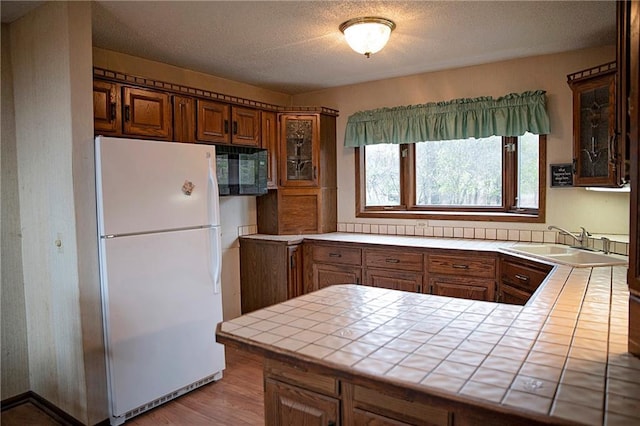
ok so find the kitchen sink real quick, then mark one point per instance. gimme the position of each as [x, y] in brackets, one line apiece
[566, 255]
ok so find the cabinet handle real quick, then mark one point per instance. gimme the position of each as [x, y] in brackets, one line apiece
[331, 423]
[392, 260]
[127, 112]
[226, 126]
[315, 172]
[335, 255]
[522, 277]
[113, 110]
[235, 127]
[459, 266]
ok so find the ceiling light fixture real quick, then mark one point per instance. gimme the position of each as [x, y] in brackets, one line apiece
[367, 35]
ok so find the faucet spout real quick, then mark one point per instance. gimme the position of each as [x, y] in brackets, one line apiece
[581, 238]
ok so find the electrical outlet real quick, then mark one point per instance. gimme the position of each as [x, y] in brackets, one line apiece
[421, 224]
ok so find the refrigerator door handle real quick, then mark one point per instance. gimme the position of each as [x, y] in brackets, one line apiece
[213, 195]
[215, 258]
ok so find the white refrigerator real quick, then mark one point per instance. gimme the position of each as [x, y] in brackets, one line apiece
[160, 268]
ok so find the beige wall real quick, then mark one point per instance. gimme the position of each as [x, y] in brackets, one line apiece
[567, 207]
[15, 351]
[51, 62]
[235, 211]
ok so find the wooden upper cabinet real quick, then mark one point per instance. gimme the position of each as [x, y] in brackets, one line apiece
[269, 138]
[212, 124]
[598, 150]
[245, 126]
[106, 108]
[147, 113]
[299, 150]
[184, 119]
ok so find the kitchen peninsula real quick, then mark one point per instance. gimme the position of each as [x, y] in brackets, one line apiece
[354, 354]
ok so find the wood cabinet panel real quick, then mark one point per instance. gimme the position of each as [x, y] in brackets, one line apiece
[394, 280]
[290, 405]
[468, 266]
[147, 113]
[212, 124]
[294, 277]
[265, 272]
[184, 119]
[269, 141]
[245, 126]
[512, 295]
[463, 288]
[325, 275]
[107, 114]
[295, 211]
[394, 259]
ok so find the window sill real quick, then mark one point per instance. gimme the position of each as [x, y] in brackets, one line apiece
[441, 215]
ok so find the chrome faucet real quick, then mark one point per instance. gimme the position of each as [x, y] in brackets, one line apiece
[581, 238]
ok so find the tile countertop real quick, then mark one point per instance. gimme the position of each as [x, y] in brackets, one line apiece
[563, 355]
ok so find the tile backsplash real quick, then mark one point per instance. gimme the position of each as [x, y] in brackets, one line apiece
[523, 235]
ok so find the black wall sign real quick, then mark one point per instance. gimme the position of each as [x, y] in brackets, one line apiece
[561, 175]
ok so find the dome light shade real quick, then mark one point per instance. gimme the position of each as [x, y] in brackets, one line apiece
[367, 35]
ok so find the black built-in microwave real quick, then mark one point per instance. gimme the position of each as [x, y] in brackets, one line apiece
[241, 170]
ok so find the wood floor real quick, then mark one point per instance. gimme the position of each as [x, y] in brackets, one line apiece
[237, 399]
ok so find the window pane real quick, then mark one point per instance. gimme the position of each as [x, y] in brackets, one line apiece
[382, 168]
[459, 172]
[528, 171]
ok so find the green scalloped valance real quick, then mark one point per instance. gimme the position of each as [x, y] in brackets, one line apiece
[510, 115]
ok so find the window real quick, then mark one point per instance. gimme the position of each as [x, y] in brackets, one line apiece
[493, 178]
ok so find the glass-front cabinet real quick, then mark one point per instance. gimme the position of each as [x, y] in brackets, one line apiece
[299, 150]
[598, 152]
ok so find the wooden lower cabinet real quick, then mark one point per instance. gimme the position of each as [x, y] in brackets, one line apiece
[270, 272]
[463, 288]
[285, 404]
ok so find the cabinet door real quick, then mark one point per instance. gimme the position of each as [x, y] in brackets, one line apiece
[147, 113]
[264, 272]
[212, 123]
[299, 150]
[594, 143]
[362, 417]
[106, 108]
[394, 280]
[269, 137]
[245, 126]
[184, 119]
[463, 288]
[290, 405]
[325, 275]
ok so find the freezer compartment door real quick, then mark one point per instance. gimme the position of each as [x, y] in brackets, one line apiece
[161, 311]
[145, 186]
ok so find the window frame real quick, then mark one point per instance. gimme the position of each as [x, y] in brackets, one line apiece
[408, 210]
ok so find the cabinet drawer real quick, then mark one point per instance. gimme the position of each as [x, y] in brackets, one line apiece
[466, 266]
[337, 254]
[391, 259]
[522, 276]
[300, 377]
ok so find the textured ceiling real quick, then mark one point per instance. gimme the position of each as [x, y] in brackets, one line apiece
[295, 46]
